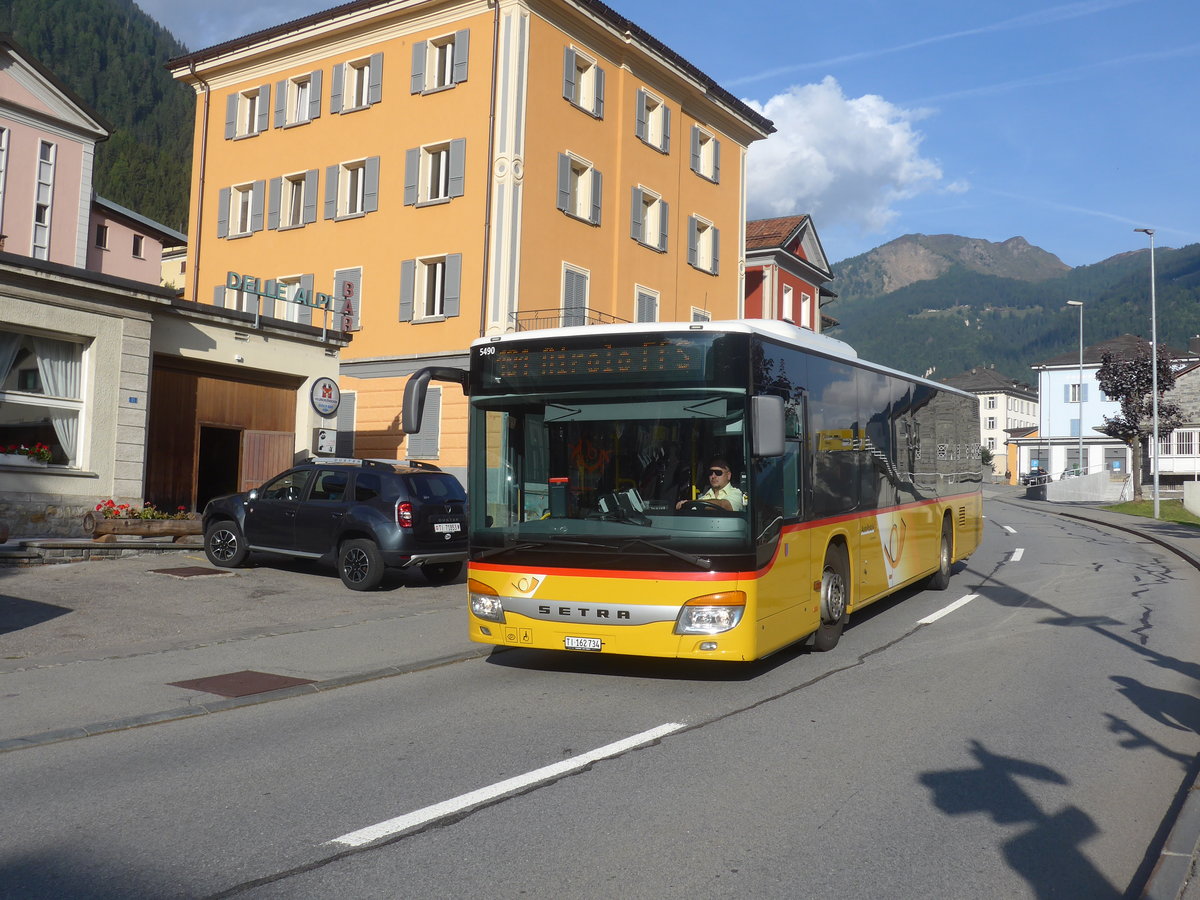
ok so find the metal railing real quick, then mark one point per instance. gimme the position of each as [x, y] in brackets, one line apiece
[530, 319]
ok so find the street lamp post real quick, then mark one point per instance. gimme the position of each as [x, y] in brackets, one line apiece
[1079, 387]
[1149, 232]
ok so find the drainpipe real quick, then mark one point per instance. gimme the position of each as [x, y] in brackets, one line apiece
[487, 198]
[198, 230]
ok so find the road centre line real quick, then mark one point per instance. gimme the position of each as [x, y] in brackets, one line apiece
[946, 610]
[1009, 529]
[1016, 555]
[512, 785]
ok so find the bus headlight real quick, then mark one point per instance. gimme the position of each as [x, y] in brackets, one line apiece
[711, 614]
[485, 603]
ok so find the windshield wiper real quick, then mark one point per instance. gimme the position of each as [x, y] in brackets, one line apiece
[700, 562]
[534, 543]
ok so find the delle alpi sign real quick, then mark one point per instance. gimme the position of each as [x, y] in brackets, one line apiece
[250, 284]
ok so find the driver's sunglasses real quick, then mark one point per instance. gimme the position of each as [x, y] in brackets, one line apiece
[717, 471]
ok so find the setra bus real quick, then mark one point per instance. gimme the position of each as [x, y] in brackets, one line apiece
[590, 450]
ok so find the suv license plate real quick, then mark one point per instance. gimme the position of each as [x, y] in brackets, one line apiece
[443, 527]
[578, 643]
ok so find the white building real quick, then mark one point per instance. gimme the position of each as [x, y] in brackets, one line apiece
[1004, 404]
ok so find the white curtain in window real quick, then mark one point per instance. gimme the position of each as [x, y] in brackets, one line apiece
[59, 364]
[9, 345]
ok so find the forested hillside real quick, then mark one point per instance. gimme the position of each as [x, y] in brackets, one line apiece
[111, 54]
[964, 318]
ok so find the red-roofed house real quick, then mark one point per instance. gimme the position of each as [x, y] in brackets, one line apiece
[786, 272]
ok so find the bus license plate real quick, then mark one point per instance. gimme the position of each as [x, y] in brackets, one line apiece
[442, 527]
[578, 643]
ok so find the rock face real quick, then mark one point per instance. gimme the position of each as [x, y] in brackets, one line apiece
[921, 257]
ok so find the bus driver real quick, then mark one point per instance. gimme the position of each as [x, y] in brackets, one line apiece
[720, 492]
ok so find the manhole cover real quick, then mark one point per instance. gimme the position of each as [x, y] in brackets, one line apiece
[190, 572]
[241, 684]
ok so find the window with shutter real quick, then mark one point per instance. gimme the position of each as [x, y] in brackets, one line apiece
[646, 304]
[574, 304]
[583, 82]
[653, 121]
[579, 188]
[648, 219]
[344, 442]
[441, 62]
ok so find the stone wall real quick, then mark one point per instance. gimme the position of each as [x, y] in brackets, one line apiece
[46, 515]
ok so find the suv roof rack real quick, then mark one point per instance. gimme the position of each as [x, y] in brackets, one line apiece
[418, 464]
[350, 460]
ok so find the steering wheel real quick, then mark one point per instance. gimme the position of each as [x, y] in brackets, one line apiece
[700, 506]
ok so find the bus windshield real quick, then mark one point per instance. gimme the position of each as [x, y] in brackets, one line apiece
[609, 482]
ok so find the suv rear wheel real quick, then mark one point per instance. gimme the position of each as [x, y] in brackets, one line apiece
[360, 565]
[441, 573]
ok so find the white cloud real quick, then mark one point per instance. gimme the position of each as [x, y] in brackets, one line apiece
[845, 161]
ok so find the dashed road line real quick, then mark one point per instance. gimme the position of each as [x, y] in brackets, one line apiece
[946, 610]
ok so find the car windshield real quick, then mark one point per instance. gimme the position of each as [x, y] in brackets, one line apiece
[603, 477]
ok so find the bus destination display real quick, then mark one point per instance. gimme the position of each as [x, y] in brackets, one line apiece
[661, 360]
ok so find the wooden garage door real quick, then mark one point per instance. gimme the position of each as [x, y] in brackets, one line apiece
[264, 454]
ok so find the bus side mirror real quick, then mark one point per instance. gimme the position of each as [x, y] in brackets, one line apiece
[766, 422]
[417, 387]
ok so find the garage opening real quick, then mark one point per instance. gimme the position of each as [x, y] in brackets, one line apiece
[217, 471]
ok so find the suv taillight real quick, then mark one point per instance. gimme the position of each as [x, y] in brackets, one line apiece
[404, 514]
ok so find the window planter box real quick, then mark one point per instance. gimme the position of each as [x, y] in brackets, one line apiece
[20, 459]
[108, 530]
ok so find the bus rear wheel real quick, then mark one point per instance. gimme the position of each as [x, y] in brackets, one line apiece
[835, 599]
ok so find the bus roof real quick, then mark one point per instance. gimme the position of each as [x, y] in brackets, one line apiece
[769, 328]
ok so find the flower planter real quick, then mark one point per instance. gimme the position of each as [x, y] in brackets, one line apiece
[20, 459]
[108, 530]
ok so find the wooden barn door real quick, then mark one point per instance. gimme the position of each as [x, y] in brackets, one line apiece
[265, 454]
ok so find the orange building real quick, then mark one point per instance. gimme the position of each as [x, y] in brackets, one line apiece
[422, 174]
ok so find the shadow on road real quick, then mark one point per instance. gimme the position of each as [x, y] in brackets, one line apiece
[17, 613]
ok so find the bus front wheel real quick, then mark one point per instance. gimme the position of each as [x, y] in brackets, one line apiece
[835, 598]
[940, 580]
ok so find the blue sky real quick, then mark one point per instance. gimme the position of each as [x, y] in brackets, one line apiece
[1068, 124]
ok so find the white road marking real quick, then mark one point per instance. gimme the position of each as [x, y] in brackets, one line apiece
[1009, 529]
[946, 610]
[508, 786]
[1017, 554]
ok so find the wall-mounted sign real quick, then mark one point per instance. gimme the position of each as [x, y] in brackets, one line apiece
[325, 441]
[275, 290]
[325, 396]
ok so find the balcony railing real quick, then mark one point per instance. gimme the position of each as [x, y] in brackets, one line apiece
[530, 319]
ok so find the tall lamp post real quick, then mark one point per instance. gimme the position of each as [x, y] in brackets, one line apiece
[1079, 463]
[1149, 232]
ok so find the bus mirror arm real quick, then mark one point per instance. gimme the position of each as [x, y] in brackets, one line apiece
[418, 386]
[767, 425]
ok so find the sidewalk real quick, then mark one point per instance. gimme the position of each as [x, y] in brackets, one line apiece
[1177, 875]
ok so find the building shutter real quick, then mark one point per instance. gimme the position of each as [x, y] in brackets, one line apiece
[1066, 393]
[1084, 389]
[311, 179]
[666, 120]
[314, 95]
[696, 149]
[646, 307]
[716, 153]
[347, 286]
[639, 125]
[280, 103]
[412, 174]
[716, 250]
[450, 306]
[331, 190]
[636, 226]
[273, 203]
[231, 108]
[375, 83]
[458, 166]
[408, 281]
[307, 312]
[598, 110]
[258, 198]
[264, 108]
[424, 444]
[574, 298]
[335, 93]
[692, 239]
[564, 182]
[664, 215]
[344, 443]
[419, 52]
[596, 197]
[371, 185]
[568, 74]
[223, 212]
[462, 48]
[219, 295]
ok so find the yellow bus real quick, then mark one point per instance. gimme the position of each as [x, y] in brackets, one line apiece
[706, 490]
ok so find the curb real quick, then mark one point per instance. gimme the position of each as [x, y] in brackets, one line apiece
[187, 712]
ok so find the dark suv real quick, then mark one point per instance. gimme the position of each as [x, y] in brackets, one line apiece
[366, 515]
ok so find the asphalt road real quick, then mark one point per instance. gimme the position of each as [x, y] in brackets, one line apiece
[1028, 743]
